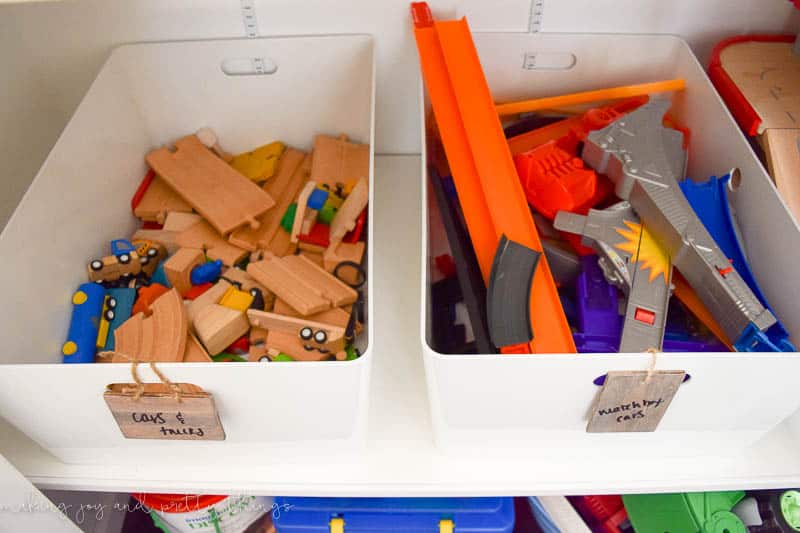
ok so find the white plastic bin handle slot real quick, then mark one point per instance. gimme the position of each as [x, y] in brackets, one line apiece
[248, 66]
[549, 61]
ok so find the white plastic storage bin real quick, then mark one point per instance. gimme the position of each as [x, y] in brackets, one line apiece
[145, 96]
[540, 403]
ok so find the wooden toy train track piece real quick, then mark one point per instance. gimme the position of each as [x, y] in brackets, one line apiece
[303, 285]
[290, 177]
[159, 337]
[225, 198]
[337, 160]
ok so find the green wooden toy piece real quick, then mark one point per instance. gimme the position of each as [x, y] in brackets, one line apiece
[326, 214]
[288, 217]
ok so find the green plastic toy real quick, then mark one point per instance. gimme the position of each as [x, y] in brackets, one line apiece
[352, 354]
[691, 512]
[790, 508]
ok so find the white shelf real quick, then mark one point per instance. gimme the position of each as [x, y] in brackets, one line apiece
[400, 458]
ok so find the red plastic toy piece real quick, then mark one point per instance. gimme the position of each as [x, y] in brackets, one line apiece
[603, 514]
[555, 180]
[670, 122]
[516, 348]
[319, 235]
[724, 271]
[240, 347]
[645, 315]
[579, 126]
[197, 290]
[146, 181]
[354, 235]
[446, 265]
[740, 108]
[421, 15]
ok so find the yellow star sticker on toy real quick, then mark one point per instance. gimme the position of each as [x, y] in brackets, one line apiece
[645, 250]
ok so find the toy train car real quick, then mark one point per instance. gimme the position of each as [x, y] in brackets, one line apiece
[87, 302]
[106, 315]
[116, 314]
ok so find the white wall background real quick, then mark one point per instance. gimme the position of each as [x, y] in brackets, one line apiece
[51, 51]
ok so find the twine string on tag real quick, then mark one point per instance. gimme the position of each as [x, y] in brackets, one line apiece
[139, 390]
[651, 370]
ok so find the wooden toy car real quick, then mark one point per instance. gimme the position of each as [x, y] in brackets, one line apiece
[150, 254]
[303, 340]
[123, 263]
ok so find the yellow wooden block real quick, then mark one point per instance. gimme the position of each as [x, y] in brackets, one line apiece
[349, 185]
[236, 299]
[260, 164]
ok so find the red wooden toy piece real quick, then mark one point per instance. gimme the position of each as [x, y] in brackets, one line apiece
[197, 290]
[354, 235]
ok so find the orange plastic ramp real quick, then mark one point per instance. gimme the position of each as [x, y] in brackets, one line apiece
[465, 174]
[488, 188]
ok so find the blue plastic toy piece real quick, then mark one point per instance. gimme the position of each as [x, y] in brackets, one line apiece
[121, 246]
[206, 273]
[317, 199]
[542, 517]
[124, 299]
[160, 277]
[87, 305]
[709, 200]
[754, 340]
[378, 515]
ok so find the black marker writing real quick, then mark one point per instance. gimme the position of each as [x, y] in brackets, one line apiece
[145, 417]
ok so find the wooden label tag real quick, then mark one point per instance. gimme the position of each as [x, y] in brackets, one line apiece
[630, 402]
[157, 414]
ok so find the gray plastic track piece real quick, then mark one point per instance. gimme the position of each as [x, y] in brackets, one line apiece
[645, 160]
[508, 294]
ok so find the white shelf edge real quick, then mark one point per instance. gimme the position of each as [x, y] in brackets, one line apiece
[400, 458]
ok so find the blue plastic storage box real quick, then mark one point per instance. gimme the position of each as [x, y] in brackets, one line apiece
[380, 515]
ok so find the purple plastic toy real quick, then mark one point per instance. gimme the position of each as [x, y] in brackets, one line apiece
[597, 302]
[600, 322]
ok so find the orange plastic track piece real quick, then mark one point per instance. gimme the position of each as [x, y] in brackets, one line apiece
[580, 125]
[684, 292]
[488, 188]
[459, 155]
[613, 93]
